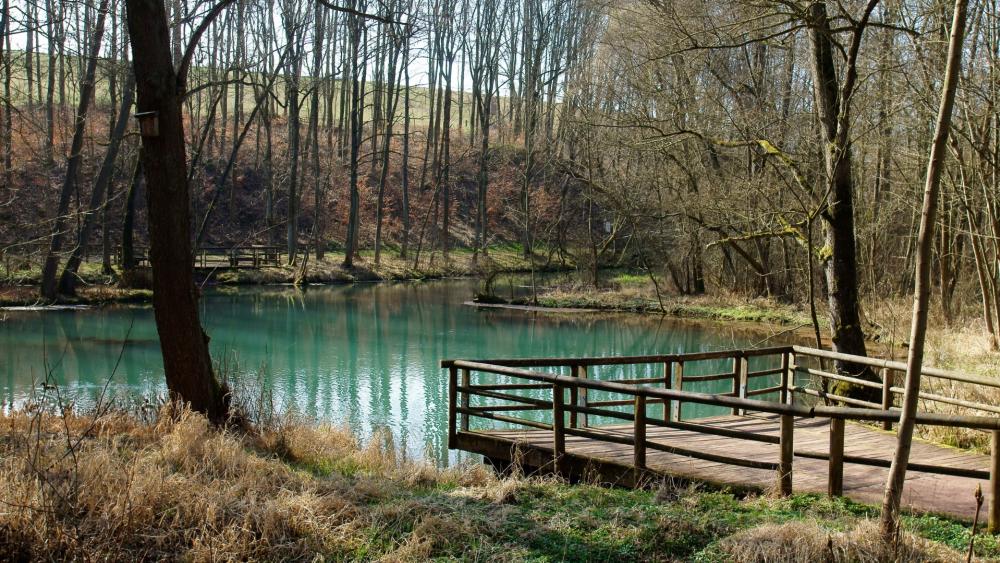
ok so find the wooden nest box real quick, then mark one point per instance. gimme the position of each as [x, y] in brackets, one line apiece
[149, 123]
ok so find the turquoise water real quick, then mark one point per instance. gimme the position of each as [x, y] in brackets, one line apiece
[366, 355]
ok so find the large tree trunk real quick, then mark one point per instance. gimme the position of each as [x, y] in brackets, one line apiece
[921, 293]
[842, 264]
[186, 361]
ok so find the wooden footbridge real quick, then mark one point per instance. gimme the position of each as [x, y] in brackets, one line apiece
[225, 257]
[747, 419]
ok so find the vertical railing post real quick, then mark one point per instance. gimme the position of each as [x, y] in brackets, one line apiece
[787, 378]
[835, 485]
[466, 379]
[558, 426]
[574, 397]
[994, 516]
[886, 394]
[744, 380]
[452, 404]
[668, 369]
[787, 449]
[737, 368]
[675, 414]
[581, 398]
[639, 434]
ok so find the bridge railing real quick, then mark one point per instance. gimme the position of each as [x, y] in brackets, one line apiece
[243, 256]
[544, 398]
[888, 374]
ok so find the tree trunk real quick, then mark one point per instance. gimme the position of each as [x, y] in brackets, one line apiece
[405, 179]
[921, 293]
[183, 343]
[49, 270]
[356, 124]
[128, 222]
[841, 265]
[67, 282]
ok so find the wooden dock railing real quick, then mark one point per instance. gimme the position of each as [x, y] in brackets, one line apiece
[564, 396]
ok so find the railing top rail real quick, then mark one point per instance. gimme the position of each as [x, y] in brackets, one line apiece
[898, 366]
[626, 360]
[872, 415]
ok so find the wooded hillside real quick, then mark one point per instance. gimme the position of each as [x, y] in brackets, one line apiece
[770, 149]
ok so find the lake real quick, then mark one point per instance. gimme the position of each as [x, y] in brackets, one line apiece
[366, 355]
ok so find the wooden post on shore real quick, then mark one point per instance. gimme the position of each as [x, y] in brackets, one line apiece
[994, 515]
[466, 379]
[639, 435]
[452, 403]
[558, 427]
[835, 484]
[787, 449]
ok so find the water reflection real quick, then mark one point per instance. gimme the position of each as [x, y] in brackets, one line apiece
[365, 355]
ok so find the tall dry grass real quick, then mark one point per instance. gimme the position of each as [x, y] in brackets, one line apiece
[112, 488]
[962, 346]
[800, 541]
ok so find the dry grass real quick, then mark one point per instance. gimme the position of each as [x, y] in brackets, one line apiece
[173, 488]
[809, 541]
[638, 294]
[961, 346]
[79, 488]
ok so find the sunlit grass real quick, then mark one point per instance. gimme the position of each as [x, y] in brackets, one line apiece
[173, 487]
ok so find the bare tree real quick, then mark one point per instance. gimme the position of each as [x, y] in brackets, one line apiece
[183, 343]
[921, 293]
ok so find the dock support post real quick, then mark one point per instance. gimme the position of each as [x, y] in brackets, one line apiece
[886, 394]
[639, 435]
[835, 485]
[466, 379]
[558, 428]
[994, 516]
[452, 404]
[787, 448]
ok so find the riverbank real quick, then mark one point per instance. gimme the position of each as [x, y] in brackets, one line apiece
[174, 488]
[636, 294]
[98, 288]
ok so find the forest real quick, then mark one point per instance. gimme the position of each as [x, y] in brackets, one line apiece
[682, 139]
[821, 163]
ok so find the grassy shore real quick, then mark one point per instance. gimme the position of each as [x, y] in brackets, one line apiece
[171, 487]
[19, 287]
[636, 293]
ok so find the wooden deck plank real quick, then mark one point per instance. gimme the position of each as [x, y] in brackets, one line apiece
[923, 492]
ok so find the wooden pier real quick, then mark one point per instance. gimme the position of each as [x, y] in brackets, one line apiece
[621, 421]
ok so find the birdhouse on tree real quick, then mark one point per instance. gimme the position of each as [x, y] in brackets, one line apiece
[149, 123]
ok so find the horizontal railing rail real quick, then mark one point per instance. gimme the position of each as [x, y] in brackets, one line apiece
[638, 398]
